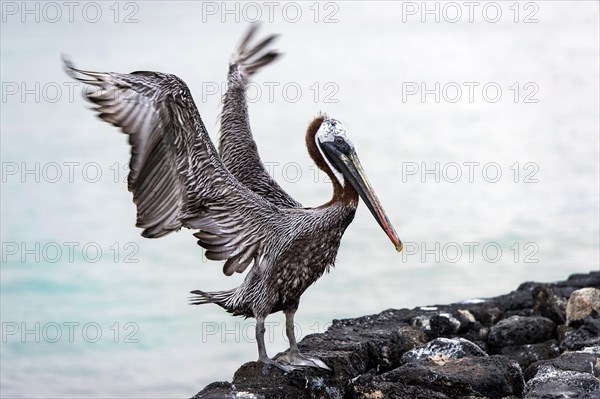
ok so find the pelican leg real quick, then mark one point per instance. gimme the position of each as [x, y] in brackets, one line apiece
[293, 356]
[262, 350]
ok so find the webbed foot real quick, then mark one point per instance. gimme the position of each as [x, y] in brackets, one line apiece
[286, 368]
[295, 358]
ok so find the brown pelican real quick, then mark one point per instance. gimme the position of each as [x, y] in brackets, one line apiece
[242, 216]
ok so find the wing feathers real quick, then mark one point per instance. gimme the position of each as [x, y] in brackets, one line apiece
[236, 145]
[175, 175]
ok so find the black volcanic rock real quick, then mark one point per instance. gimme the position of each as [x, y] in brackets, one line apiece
[372, 388]
[530, 353]
[492, 376]
[452, 348]
[475, 349]
[582, 361]
[551, 383]
[549, 304]
[521, 330]
[586, 334]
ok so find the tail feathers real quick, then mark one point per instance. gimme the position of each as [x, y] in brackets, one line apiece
[250, 59]
[218, 297]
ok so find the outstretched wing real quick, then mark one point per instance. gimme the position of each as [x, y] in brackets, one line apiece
[236, 145]
[176, 176]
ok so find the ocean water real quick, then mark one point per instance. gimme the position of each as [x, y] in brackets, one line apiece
[479, 132]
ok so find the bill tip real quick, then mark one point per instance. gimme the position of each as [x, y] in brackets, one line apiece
[399, 247]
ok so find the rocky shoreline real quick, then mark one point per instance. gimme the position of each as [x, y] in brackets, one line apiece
[540, 341]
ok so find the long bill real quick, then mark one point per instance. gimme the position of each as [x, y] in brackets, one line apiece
[354, 172]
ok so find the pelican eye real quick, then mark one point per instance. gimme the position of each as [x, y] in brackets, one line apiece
[339, 140]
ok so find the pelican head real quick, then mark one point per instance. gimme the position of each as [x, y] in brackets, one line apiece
[336, 147]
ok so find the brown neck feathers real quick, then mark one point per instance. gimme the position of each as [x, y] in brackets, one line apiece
[345, 193]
